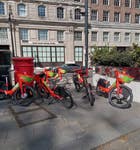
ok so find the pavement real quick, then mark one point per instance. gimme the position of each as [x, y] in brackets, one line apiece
[53, 127]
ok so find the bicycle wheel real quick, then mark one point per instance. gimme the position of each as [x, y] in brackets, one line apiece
[44, 95]
[90, 94]
[2, 96]
[122, 100]
[76, 83]
[3, 87]
[26, 99]
[77, 87]
[67, 100]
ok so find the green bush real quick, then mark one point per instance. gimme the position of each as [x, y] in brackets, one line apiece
[112, 57]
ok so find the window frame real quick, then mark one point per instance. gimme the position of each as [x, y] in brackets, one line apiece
[127, 3]
[127, 38]
[116, 2]
[105, 2]
[78, 54]
[42, 34]
[60, 35]
[94, 38]
[22, 12]
[127, 18]
[60, 12]
[104, 40]
[117, 18]
[41, 11]
[77, 14]
[77, 35]
[117, 38]
[137, 3]
[94, 17]
[2, 8]
[94, 1]
[45, 54]
[137, 38]
[25, 36]
[3, 33]
[106, 18]
[137, 20]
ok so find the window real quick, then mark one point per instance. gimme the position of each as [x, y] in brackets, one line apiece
[105, 2]
[116, 2]
[127, 18]
[127, 3]
[93, 36]
[21, 10]
[105, 36]
[127, 37]
[3, 33]
[41, 11]
[78, 54]
[77, 14]
[60, 35]
[78, 36]
[76, 0]
[94, 15]
[105, 15]
[137, 3]
[116, 17]
[137, 37]
[2, 11]
[23, 34]
[60, 12]
[94, 1]
[116, 36]
[44, 54]
[42, 34]
[137, 18]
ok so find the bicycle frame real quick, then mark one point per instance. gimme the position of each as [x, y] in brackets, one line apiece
[82, 76]
[23, 79]
[44, 83]
[121, 78]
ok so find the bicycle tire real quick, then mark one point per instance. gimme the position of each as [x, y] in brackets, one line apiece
[77, 87]
[43, 94]
[24, 101]
[67, 100]
[125, 101]
[76, 84]
[3, 87]
[2, 96]
[90, 94]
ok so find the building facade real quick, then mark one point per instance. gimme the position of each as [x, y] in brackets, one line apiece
[52, 31]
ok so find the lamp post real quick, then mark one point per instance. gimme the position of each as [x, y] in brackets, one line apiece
[11, 30]
[86, 33]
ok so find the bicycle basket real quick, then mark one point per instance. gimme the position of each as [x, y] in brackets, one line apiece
[125, 78]
[104, 83]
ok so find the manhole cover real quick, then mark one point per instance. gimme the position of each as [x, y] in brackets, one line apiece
[30, 115]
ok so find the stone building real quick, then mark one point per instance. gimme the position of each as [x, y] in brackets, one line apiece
[52, 31]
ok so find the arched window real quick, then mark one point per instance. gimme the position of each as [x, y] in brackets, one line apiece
[2, 12]
[21, 10]
[41, 11]
[77, 14]
[60, 12]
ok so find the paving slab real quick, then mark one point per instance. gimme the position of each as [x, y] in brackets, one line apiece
[81, 128]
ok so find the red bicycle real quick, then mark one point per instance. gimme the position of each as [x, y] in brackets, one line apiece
[119, 95]
[49, 88]
[22, 93]
[80, 81]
